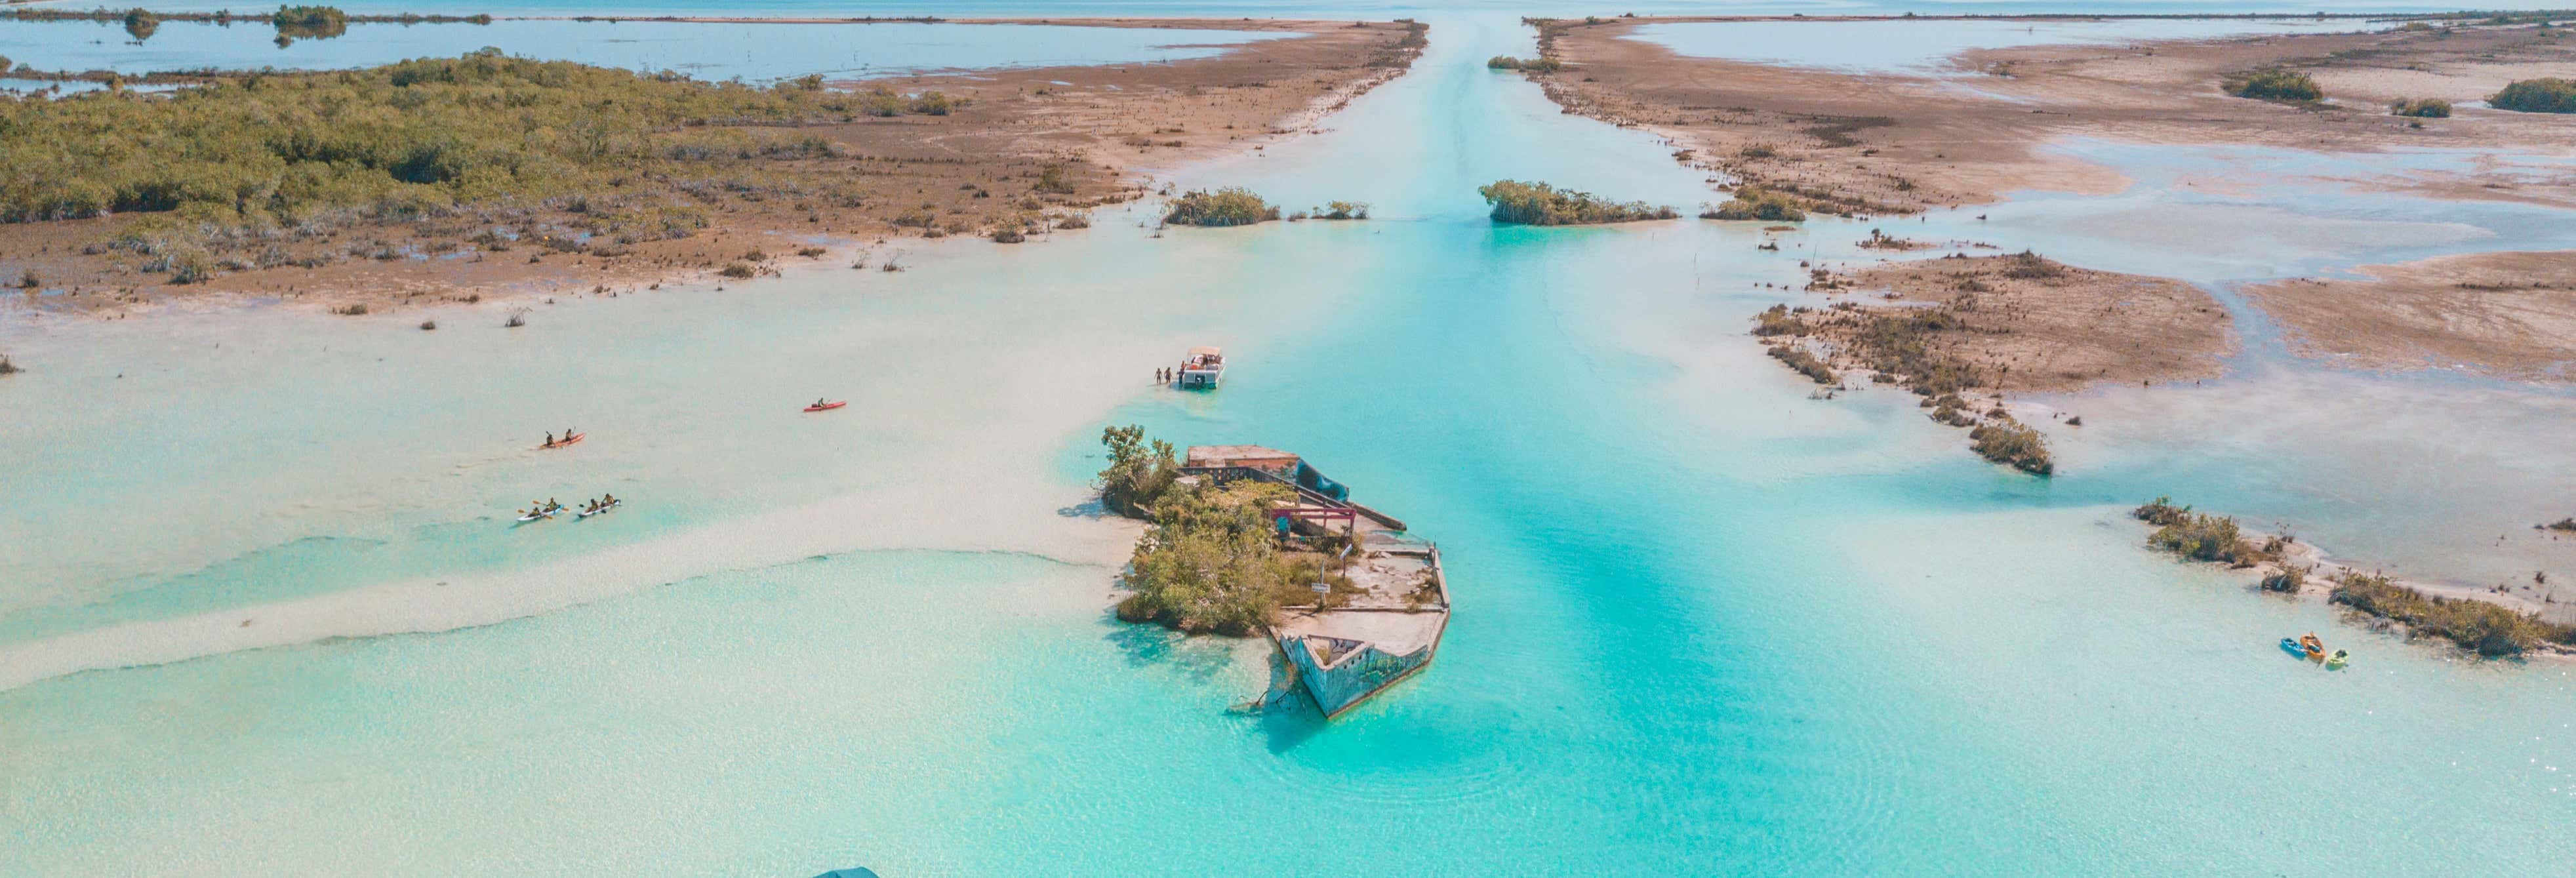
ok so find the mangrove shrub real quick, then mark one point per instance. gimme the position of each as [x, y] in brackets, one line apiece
[1538, 204]
[2548, 95]
[2421, 108]
[309, 22]
[2009, 442]
[1756, 203]
[1210, 562]
[2487, 628]
[1138, 472]
[1230, 206]
[2276, 85]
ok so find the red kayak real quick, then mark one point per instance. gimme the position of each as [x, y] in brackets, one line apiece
[827, 406]
[559, 443]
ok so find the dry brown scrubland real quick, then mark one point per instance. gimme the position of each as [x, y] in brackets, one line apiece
[1880, 143]
[1025, 149]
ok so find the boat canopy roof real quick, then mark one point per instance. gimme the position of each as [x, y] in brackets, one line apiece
[1205, 351]
[1253, 456]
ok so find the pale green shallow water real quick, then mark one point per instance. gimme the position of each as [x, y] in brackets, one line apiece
[1705, 624]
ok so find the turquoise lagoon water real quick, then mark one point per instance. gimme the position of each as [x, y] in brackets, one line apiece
[1706, 624]
[705, 50]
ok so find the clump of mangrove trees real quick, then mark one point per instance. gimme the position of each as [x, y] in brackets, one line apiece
[2485, 627]
[1343, 210]
[1533, 65]
[1139, 471]
[2545, 95]
[2204, 537]
[2489, 629]
[2276, 85]
[2012, 443]
[1230, 206]
[1757, 203]
[1538, 204]
[2420, 108]
[309, 22]
[1210, 562]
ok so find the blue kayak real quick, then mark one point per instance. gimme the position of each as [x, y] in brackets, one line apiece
[2291, 645]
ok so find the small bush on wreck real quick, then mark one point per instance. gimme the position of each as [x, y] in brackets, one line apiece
[1210, 564]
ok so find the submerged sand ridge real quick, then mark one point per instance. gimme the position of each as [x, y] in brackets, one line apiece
[2509, 314]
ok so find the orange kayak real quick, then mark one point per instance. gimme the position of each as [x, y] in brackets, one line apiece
[827, 406]
[559, 443]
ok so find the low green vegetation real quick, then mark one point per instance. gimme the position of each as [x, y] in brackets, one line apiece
[2564, 524]
[2421, 108]
[2012, 443]
[2489, 629]
[2547, 95]
[2276, 85]
[1757, 203]
[1211, 561]
[140, 24]
[1138, 473]
[2287, 580]
[1230, 206]
[2204, 537]
[1533, 65]
[245, 161]
[1780, 320]
[309, 22]
[292, 22]
[1344, 210]
[1538, 204]
[1805, 363]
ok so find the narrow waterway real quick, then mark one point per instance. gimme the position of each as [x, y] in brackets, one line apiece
[1705, 624]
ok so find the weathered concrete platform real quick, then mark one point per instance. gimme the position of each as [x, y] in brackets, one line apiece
[1390, 631]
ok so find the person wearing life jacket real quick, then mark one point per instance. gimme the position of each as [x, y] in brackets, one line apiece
[550, 438]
